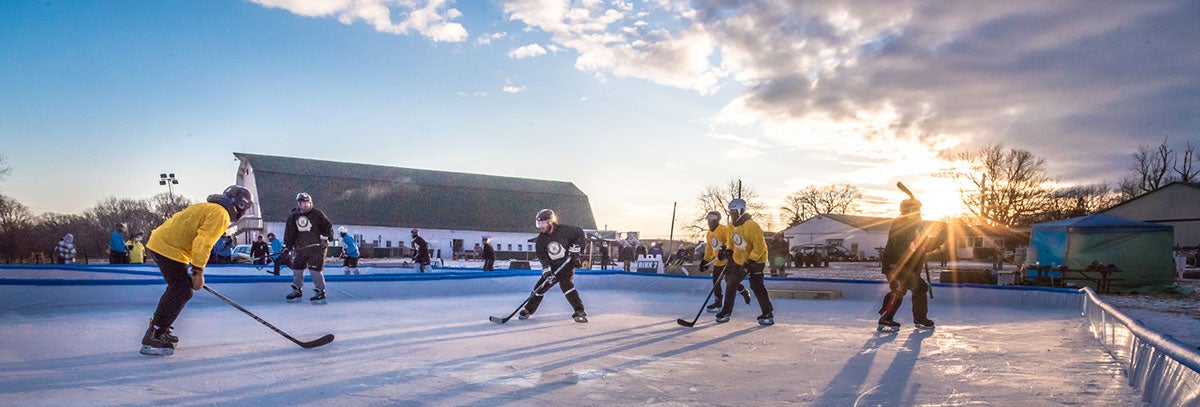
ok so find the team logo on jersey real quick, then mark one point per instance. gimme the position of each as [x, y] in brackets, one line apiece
[716, 244]
[738, 242]
[303, 224]
[555, 250]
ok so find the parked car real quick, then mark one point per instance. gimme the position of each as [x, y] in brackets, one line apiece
[819, 255]
[241, 253]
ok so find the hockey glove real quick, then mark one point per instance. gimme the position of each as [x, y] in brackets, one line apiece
[575, 251]
[548, 277]
[197, 278]
[703, 264]
[725, 254]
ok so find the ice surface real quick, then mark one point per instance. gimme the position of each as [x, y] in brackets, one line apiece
[442, 350]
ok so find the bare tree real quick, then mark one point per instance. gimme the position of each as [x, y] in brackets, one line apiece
[165, 204]
[15, 222]
[1184, 167]
[717, 197]
[1081, 200]
[1150, 170]
[812, 201]
[1004, 187]
[5, 170]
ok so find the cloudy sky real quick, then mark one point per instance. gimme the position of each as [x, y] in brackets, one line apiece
[640, 104]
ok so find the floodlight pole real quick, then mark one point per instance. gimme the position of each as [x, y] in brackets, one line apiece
[169, 180]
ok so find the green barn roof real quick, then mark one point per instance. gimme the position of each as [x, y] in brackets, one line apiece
[374, 195]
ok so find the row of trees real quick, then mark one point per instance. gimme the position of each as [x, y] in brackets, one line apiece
[999, 186]
[22, 233]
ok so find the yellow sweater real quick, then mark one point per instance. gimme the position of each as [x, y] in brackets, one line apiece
[749, 243]
[189, 235]
[138, 252]
[717, 240]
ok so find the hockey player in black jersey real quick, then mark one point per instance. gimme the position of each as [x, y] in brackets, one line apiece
[903, 258]
[558, 248]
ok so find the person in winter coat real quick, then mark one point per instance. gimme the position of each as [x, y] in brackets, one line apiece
[276, 251]
[117, 252]
[259, 251]
[307, 234]
[65, 250]
[421, 249]
[137, 250]
[184, 241]
[488, 255]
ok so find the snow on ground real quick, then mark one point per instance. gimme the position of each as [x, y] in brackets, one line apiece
[441, 350]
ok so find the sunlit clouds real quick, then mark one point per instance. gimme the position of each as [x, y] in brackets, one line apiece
[432, 18]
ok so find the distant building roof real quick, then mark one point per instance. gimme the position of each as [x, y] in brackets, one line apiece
[374, 195]
[867, 223]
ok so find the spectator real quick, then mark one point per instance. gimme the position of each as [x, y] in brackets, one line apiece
[65, 250]
[117, 252]
[656, 250]
[489, 254]
[778, 251]
[639, 250]
[625, 256]
[605, 257]
[259, 251]
[421, 247]
[225, 250]
[137, 250]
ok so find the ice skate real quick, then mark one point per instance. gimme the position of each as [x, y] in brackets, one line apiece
[714, 307]
[155, 343]
[745, 295]
[722, 317]
[580, 316]
[887, 325]
[524, 314]
[295, 295]
[925, 323]
[767, 319]
[319, 299]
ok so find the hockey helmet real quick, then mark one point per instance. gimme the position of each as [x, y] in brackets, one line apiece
[303, 197]
[737, 207]
[544, 217]
[241, 198]
[908, 206]
[342, 230]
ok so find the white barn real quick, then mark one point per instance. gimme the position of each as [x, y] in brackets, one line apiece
[379, 205]
[861, 234]
[1177, 204]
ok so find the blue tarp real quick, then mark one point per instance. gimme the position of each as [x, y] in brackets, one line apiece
[1141, 250]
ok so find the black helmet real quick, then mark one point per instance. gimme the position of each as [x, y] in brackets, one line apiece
[414, 231]
[303, 197]
[545, 215]
[241, 199]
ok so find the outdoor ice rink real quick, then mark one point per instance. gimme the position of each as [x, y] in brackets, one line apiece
[429, 342]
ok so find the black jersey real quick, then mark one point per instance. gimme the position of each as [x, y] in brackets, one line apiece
[304, 230]
[553, 248]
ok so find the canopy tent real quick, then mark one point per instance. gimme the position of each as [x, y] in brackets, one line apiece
[1141, 250]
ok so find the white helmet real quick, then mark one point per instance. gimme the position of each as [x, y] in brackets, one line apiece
[342, 230]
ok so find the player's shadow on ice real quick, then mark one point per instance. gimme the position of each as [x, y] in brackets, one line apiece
[530, 393]
[847, 386]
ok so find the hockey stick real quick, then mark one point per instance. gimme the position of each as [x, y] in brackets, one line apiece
[928, 280]
[306, 345]
[530, 297]
[680, 321]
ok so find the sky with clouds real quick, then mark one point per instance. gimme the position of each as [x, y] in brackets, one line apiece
[641, 104]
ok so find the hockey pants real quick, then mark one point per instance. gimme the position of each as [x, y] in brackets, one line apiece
[734, 273]
[179, 291]
[565, 280]
[900, 285]
[314, 261]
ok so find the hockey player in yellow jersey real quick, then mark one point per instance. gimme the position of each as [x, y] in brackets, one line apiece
[749, 257]
[717, 251]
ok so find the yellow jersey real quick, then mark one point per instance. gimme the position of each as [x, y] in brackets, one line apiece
[189, 235]
[748, 242]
